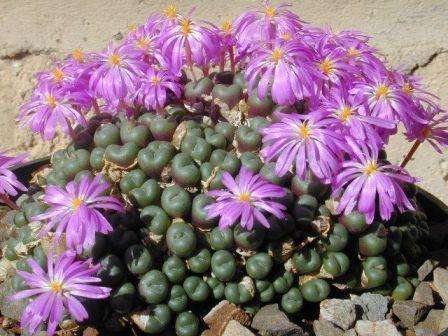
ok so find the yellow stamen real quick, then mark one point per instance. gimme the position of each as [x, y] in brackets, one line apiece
[305, 131]
[277, 55]
[244, 197]
[345, 113]
[227, 26]
[185, 26]
[76, 203]
[56, 287]
[170, 12]
[58, 75]
[78, 55]
[353, 52]
[142, 43]
[407, 88]
[155, 80]
[382, 91]
[51, 101]
[371, 168]
[132, 27]
[270, 11]
[115, 59]
[326, 66]
[286, 36]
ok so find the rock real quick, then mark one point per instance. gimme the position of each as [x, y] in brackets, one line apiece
[423, 294]
[431, 323]
[376, 328]
[235, 329]
[426, 268]
[374, 307]
[341, 313]
[443, 326]
[424, 332]
[326, 328]
[89, 331]
[270, 320]
[225, 311]
[350, 332]
[440, 283]
[409, 312]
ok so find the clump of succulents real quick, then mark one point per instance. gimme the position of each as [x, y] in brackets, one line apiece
[264, 183]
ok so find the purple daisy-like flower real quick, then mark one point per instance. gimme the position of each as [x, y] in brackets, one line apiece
[365, 182]
[9, 184]
[57, 290]
[49, 107]
[350, 116]
[307, 141]
[75, 210]
[62, 74]
[116, 72]
[154, 87]
[246, 198]
[287, 67]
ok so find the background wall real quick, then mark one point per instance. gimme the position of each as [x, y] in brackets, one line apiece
[411, 33]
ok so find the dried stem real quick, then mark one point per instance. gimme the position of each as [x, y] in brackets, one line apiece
[5, 199]
[410, 154]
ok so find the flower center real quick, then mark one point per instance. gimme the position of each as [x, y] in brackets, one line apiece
[142, 43]
[345, 113]
[304, 130]
[56, 287]
[382, 91]
[326, 66]
[185, 26]
[244, 197]
[170, 12]
[270, 11]
[371, 168]
[154, 80]
[78, 55]
[277, 55]
[76, 203]
[58, 75]
[353, 52]
[407, 88]
[115, 59]
[227, 26]
[286, 36]
[51, 101]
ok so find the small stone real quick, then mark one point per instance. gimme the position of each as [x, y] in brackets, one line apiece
[326, 328]
[443, 326]
[426, 268]
[271, 321]
[432, 321]
[377, 328]
[89, 331]
[374, 307]
[350, 332]
[424, 332]
[409, 312]
[440, 283]
[225, 311]
[423, 294]
[235, 329]
[341, 313]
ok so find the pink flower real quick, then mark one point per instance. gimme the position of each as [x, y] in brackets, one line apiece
[305, 141]
[116, 73]
[286, 67]
[366, 183]
[246, 198]
[9, 184]
[75, 210]
[49, 107]
[57, 290]
[154, 87]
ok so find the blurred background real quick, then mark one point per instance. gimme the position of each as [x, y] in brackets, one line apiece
[410, 33]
